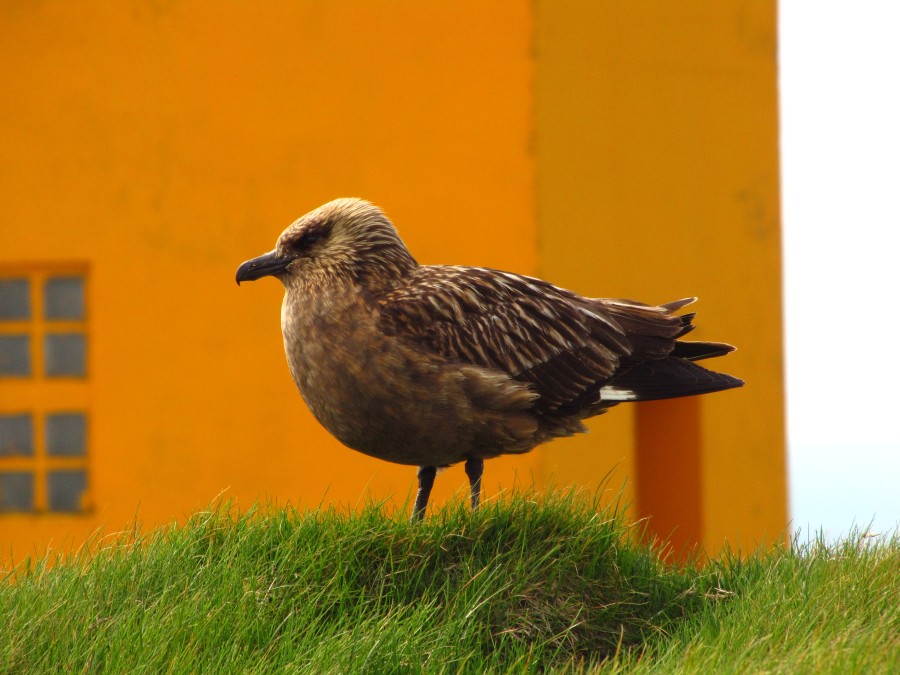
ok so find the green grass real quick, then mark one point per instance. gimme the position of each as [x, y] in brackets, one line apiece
[520, 586]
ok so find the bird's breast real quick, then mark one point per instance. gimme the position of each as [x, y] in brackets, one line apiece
[373, 393]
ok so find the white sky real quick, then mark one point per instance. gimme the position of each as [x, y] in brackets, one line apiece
[840, 131]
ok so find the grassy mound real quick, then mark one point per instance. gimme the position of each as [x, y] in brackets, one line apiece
[519, 586]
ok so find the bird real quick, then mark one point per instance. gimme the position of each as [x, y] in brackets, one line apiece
[433, 365]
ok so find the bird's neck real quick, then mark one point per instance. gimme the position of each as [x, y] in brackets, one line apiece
[384, 268]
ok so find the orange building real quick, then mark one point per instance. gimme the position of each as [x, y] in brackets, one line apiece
[621, 149]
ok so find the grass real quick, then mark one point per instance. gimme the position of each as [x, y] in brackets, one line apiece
[521, 586]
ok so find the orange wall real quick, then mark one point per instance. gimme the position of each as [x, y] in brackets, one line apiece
[657, 179]
[164, 143]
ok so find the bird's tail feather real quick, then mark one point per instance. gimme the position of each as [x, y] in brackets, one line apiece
[695, 351]
[666, 378]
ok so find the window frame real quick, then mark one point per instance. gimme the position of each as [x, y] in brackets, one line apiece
[42, 396]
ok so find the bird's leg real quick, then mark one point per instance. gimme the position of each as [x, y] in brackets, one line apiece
[426, 475]
[474, 469]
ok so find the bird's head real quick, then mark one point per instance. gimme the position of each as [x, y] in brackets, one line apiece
[345, 239]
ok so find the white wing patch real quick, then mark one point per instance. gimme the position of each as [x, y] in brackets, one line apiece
[611, 393]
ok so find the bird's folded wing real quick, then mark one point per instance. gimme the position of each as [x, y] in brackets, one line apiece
[566, 346]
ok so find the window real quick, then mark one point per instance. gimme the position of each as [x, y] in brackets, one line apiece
[44, 424]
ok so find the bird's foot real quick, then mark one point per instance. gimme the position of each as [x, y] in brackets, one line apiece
[474, 470]
[426, 475]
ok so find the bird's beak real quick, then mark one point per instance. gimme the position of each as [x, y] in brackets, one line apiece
[266, 265]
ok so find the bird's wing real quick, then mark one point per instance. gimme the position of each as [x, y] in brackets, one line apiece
[565, 346]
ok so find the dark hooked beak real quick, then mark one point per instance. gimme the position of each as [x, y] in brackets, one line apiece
[267, 265]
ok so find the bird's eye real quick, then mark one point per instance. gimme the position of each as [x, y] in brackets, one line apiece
[309, 238]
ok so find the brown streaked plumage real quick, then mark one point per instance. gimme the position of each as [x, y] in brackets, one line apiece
[431, 365]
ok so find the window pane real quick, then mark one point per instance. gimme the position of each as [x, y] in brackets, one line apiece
[15, 356]
[14, 299]
[66, 434]
[16, 435]
[64, 298]
[64, 354]
[16, 491]
[65, 490]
